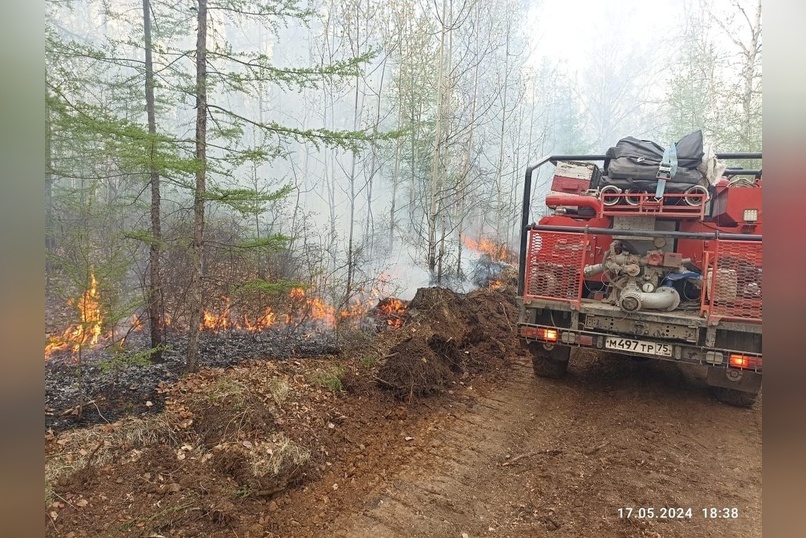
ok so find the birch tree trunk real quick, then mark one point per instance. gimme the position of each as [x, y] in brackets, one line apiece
[467, 158]
[396, 175]
[751, 53]
[50, 242]
[196, 291]
[434, 190]
[155, 307]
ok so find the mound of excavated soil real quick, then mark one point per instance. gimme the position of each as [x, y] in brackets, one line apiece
[450, 334]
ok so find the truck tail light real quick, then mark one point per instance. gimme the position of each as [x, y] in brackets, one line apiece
[744, 361]
[549, 335]
[529, 332]
[540, 333]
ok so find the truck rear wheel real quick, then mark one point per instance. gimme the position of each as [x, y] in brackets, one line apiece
[736, 398]
[734, 387]
[552, 363]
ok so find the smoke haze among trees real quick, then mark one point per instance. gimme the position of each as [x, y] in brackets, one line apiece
[240, 149]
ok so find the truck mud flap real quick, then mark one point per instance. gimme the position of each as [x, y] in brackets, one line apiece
[731, 378]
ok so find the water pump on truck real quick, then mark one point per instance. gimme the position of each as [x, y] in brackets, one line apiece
[657, 254]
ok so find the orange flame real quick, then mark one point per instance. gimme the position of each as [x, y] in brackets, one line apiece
[302, 307]
[497, 251]
[227, 321]
[314, 308]
[261, 322]
[89, 328]
[317, 309]
[297, 294]
[392, 311]
[354, 311]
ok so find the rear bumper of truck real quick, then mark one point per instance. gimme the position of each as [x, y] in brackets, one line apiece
[672, 336]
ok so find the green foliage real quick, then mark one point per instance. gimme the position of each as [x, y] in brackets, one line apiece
[144, 236]
[273, 243]
[121, 360]
[330, 378]
[258, 68]
[117, 137]
[247, 201]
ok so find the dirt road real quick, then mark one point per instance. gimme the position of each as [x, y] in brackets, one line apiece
[535, 457]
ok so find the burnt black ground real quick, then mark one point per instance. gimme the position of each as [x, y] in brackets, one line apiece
[112, 391]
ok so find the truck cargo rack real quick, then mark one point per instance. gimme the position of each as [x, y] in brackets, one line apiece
[555, 257]
[732, 281]
[691, 206]
[554, 263]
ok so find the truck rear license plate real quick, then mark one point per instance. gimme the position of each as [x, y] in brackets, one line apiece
[639, 346]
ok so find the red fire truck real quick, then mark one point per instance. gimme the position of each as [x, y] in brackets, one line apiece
[647, 266]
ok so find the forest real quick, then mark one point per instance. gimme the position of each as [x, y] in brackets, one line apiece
[234, 164]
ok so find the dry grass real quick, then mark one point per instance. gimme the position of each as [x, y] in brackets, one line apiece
[264, 467]
[330, 378]
[275, 457]
[279, 389]
[79, 449]
[233, 405]
[226, 389]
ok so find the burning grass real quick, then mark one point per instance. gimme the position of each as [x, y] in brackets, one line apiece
[229, 437]
[90, 326]
[498, 251]
[297, 311]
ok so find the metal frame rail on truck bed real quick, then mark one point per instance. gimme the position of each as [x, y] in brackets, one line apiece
[675, 277]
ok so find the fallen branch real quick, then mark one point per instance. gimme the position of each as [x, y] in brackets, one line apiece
[76, 409]
[595, 449]
[383, 381]
[65, 500]
[53, 522]
[92, 454]
[518, 458]
[99, 411]
[506, 317]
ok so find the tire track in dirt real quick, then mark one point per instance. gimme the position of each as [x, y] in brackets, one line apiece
[535, 457]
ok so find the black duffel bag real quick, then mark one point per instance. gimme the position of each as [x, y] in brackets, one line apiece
[636, 159]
